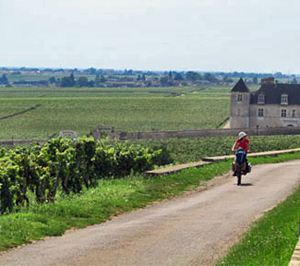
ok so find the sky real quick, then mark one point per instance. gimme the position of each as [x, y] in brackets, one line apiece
[170, 35]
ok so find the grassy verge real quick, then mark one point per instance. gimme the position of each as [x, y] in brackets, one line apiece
[271, 240]
[110, 198]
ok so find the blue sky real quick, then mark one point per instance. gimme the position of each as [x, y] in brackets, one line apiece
[207, 35]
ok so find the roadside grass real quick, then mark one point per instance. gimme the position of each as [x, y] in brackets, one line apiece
[275, 159]
[271, 240]
[111, 197]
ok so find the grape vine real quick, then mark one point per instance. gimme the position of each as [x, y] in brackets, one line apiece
[67, 166]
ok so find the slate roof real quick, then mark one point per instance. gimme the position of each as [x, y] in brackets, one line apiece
[240, 86]
[274, 91]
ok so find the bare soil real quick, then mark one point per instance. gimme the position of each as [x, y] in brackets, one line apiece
[194, 229]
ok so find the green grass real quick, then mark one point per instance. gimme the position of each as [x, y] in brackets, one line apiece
[271, 240]
[111, 197]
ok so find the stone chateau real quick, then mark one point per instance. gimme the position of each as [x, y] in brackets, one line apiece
[272, 105]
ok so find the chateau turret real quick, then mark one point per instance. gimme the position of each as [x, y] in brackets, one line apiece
[240, 105]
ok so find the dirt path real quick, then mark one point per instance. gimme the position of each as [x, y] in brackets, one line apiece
[190, 230]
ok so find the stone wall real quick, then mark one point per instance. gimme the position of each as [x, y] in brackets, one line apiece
[123, 135]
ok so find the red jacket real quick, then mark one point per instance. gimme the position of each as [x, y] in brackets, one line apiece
[242, 143]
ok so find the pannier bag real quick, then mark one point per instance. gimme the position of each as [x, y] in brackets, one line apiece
[249, 168]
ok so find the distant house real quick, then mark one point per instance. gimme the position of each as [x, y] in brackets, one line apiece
[272, 105]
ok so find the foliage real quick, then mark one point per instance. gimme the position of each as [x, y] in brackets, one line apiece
[188, 150]
[65, 165]
[52, 80]
[68, 81]
[4, 79]
[193, 76]
[210, 77]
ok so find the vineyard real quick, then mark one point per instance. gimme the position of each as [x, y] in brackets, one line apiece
[83, 110]
[189, 150]
[65, 166]
[69, 167]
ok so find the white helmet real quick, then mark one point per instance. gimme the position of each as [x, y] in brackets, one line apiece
[242, 134]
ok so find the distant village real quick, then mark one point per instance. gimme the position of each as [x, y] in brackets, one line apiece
[92, 77]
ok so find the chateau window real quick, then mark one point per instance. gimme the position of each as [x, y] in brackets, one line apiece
[284, 99]
[239, 97]
[260, 112]
[261, 99]
[283, 112]
[293, 113]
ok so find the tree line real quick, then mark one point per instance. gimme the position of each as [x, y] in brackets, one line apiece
[93, 78]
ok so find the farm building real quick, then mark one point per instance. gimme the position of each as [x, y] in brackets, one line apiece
[272, 105]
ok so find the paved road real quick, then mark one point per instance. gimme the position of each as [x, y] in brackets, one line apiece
[193, 229]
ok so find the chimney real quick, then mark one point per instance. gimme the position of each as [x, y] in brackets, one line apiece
[269, 80]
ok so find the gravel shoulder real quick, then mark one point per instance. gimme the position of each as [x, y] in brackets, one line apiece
[194, 229]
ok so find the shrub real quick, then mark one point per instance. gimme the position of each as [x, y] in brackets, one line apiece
[66, 165]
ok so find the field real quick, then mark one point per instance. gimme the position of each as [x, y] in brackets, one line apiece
[192, 150]
[128, 109]
[47, 111]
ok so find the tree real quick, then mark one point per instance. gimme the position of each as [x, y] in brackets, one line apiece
[210, 77]
[52, 80]
[91, 83]
[102, 79]
[164, 80]
[255, 79]
[294, 81]
[278, 75]
[65, 82]
[4, 79]
[82, 82]
[178, 76]
[72, 79]
[91, 71]
[97, 80]
[227, 79]
[128, 72]
[68, 81]
[193, 76]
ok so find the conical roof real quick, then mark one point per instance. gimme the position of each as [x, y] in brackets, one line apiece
[240, 86]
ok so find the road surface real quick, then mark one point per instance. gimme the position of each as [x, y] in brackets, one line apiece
[193, 229]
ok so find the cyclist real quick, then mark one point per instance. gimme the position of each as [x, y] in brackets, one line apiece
[242, 147]
[242, 142]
